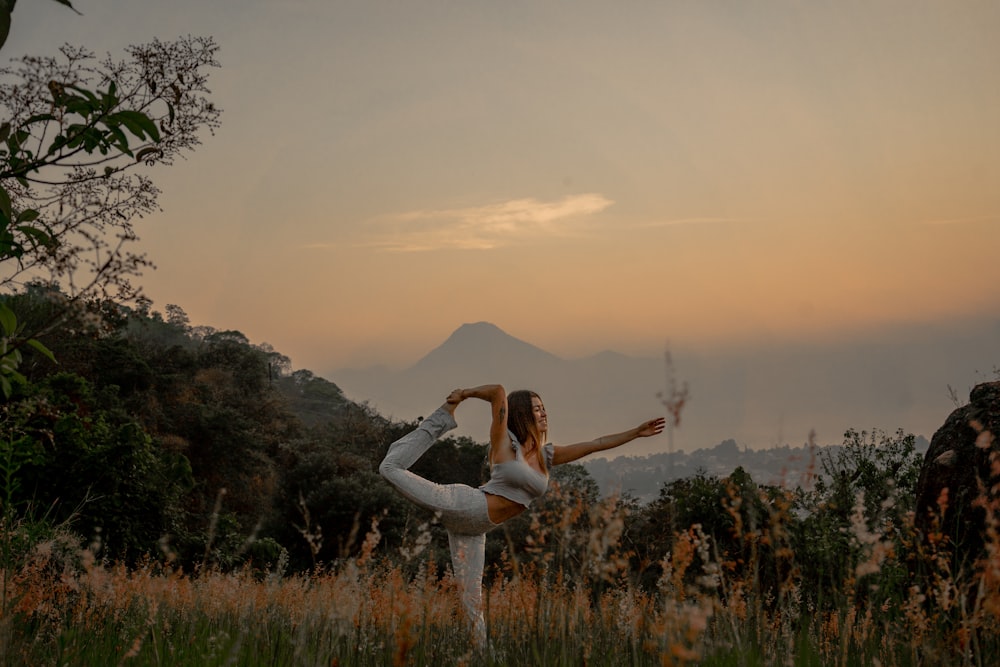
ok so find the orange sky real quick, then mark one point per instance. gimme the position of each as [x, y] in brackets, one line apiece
[586, 175]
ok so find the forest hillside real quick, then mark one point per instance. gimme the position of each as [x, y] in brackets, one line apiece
[156, 436]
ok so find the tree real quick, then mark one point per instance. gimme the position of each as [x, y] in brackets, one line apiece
[876, 469]
[77, 135]
[206, 405]
[859, 507]
[85, 462]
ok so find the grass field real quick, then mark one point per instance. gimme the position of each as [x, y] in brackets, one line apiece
[64, 607]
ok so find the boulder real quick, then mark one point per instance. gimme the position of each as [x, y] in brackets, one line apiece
[958, 477]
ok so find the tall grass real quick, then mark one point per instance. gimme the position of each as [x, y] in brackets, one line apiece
[66, 607]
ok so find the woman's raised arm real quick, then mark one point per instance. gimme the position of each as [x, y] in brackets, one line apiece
[496, 396]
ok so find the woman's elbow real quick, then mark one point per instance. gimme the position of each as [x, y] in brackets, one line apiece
[493, 394]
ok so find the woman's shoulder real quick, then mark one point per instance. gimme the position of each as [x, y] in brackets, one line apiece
[514, 443]
[548, 451]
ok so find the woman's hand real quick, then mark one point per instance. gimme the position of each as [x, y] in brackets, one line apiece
[455, 397]
[650, 428]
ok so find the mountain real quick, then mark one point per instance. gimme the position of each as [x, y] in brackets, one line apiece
[487, 344]
[762, 396]
[585, 398]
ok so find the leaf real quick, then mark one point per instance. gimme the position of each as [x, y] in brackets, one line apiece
[10, 360]
[8, 320]
[4, 22]
[27, 215]
[119, 139]
[81, 101]
[38, 118]
[74, 104]
[149, 152]
[66, 2]
[111, 97]
[8, 366]
[38, 236]
[5, 203]
[137, 123]
[14, 375]
[9, 248]
[4, 132]
[41, 349]
[57, 143]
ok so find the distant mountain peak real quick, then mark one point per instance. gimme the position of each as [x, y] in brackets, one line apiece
[482, 340]
[478, 329]
[478, 335]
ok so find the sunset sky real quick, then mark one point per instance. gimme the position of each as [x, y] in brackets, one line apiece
[585, 175]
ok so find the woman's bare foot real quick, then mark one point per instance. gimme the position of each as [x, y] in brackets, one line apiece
[454, 398]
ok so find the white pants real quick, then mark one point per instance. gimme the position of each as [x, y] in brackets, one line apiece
[462, 510]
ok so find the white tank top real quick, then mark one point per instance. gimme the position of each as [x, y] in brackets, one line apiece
[516, 480]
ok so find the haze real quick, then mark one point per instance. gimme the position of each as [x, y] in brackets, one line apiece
[586, 175]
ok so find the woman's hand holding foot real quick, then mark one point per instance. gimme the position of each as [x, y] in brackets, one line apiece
[454, 398]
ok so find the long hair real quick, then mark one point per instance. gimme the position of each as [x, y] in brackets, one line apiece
[521, 422]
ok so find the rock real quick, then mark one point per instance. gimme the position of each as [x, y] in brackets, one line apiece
[958, 474]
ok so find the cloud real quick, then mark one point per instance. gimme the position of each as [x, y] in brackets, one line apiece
[695, 221]
[320, 245]
[963, 221]
[485, 227]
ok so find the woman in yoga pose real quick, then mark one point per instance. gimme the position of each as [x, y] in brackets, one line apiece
[519, 460]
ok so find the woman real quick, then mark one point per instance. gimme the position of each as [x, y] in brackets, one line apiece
[519, 460]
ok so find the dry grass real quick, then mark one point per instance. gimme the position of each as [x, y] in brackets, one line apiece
[706, 608]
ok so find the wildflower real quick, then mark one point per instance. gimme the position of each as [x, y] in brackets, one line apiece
[423, 539]
[984, 440]
[371, 541]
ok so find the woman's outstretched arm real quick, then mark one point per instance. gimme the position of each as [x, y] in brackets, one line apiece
[570, 453]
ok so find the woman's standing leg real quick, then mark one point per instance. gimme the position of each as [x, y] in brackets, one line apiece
[461, 508]
[468, 556]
